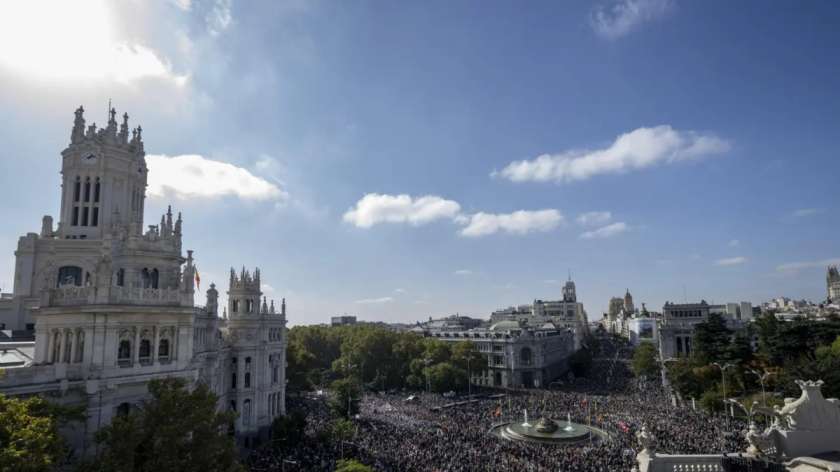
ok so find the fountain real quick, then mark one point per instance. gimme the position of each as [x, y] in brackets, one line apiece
[548, 431]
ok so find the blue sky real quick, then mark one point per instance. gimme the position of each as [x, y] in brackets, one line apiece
[399, 160]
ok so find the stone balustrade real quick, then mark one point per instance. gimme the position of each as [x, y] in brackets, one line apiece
[89, 295]
[681, 463]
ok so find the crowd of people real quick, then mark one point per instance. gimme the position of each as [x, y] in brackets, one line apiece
[392, 434]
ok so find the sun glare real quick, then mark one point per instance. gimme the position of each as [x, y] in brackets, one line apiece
[72, 40]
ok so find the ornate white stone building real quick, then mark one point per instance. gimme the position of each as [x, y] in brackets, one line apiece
[564, 313]
[832, 281]
[113, 307]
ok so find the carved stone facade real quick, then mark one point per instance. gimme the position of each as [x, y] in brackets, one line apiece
[112, 306]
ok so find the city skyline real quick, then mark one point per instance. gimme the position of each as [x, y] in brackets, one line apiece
[369, 174]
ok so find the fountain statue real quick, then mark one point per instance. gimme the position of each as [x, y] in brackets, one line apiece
[526, 423]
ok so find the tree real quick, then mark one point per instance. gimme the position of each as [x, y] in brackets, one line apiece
[580, 362]
[178, 429]
[29, 438]
[711, 339]
[287, 431]
[351, 465]
[444, 377]
[344, 401]
[644, 360]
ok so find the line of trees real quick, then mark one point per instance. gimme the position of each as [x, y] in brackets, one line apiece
[377, 358]
[785, 351]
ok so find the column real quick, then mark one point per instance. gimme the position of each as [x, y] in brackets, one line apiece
[156, 345]
[73, 347]
[88, 353]
[135, 359]
[60, 356]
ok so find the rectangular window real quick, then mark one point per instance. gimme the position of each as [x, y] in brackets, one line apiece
[94, 221]
[87, 190]
[96, 191]
[85, 211]
[75, 216]
[77, 187]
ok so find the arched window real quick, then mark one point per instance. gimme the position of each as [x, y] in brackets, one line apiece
[247, 380]
[233, 405]
[121, 277]
[233, 380]
[87, 189]
[155, 275]
[145, 351]
[146, 277]
[234, 306]
[69, 275]
[525, 355]
[249, 306]
[77, 189]
[124, 409]
[68, 346]
[96, 191]
[124, 353]
[163, 349]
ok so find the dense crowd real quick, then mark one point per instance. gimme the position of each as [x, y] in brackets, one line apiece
[395, 435]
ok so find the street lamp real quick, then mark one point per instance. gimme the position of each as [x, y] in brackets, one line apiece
[723, 374]
[469, 379]
[428, 361]
[761, 379]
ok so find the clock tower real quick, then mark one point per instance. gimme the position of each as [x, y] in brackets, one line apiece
[103, 179]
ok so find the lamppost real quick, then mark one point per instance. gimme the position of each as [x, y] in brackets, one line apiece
[428, 361]
[761, 379]
[665, 382]
[723, 375]
[469, 379]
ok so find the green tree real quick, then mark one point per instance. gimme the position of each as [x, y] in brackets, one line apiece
[351, 465]
[344, 400]
[29, 438]
[645, 360]
[711, 339]
[178, 429]
[580, 362]
[287, 431]
[445, 376]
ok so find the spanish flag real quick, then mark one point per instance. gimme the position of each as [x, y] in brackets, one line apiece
[197, 279]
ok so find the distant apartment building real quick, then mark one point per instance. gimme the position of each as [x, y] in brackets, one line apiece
[676, 327]
[518, 355]
[342, 320]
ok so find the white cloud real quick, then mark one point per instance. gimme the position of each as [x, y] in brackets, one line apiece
[791, 267]
[463, 272]
[802, 212]
[731, 261]
[399, 290]
[376, 208]
[606, 231]
[734, 243]
[75, 41]
[518, 222]
[640, 148]
[594, 218]
[220, 17]
[625, 16]
[373, 301]
[192, 176]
